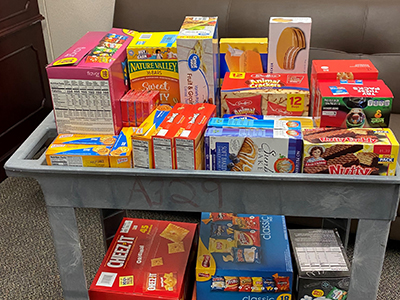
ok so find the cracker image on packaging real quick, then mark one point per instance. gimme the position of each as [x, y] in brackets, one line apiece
[291, 41]
[174, 233]
[176, 247]
[155, 262]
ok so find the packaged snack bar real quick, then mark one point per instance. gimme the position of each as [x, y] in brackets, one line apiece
[257, 284]
[245, 284]
[220, 245]
[248, 238]
[246, 254]
[219, 231]
[281, 282]
[246, 223]
[218, 283]
[269, 285]
[231, 284]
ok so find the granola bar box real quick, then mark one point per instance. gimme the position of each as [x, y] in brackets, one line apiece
[265, 94]
[148, 259]
[357, 151]
[243, 257]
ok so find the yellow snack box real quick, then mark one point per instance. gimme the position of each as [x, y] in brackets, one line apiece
[85, 139]
[121, 152]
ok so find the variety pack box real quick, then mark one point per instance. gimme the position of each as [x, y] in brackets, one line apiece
[337, 70]
[354, 104]
[87, 82]
[147, 259]
[306, 122]
[142, 143]
[253, 150]
[247, 55]
[198, 60]
[189, 144]
[289, 45]
[243, 257]
[153, 64]
[322, 268]
[357, 151]
[253, 123]
[121, 152]
[85, 139]
[265, 94]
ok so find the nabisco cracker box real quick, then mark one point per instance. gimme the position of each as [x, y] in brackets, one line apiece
[198, 60]
[147, 259]
[153, 64]
[87, 81]
[121, 152]
[289, 44]
[189, 144]
[265, 94]
[337, 70]
[356, 151]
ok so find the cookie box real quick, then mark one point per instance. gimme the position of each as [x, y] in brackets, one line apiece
[243, 257]
[121, 152]
[357, 151]
[265, 94]
[253, 150]
[147, 259]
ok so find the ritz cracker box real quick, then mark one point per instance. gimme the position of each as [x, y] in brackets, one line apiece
[148, 259]
[153, 64]
[243, 257]
[198, 60]
[87, 81]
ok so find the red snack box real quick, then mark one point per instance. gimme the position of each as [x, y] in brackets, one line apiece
[337, 70]
[147, 259]
[136, 106]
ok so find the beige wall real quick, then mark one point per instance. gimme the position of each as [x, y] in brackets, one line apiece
[68, 20]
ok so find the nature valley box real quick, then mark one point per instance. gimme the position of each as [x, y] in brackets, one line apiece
[147, 259]
[153, 64]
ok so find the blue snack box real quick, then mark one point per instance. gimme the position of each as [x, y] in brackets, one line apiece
[253, 123]
[255, 265]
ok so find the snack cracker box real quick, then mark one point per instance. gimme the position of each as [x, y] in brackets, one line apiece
[87, 81]
[306, 122]
[265, 94]
[153, 64]
[147, 259]
[321, 265]
[121, 152]
[289, 44]
[198, 60]
[354, 103]
[78, 155]
[247, 55]
[337, 70]
[253, 123]
[243, 257]
[357, 151]
[85, 139]
[142, 143]
[253, 150]
[189, 144]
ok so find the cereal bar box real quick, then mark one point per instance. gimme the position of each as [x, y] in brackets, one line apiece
[356, 151]
[243, 257]
[198, 60]
[147, 259]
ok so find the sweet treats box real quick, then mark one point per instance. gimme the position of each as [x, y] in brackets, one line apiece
[354, 103]
[243, 257]
[289, 44]
[253, 150]
[337, 70]
[147, 259]
[88, 80]
[265, 94]
[153, 64]
[357, 151]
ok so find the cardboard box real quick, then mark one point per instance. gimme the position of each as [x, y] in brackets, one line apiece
[78, 155]
[247, 55]
[265, 94]
[321, 265]
[142, 143]
[147, 259]
[354, 104]
[253, 123]
[189, 144]
[243, 257]
[121, 152]
[87, 81]
[198, 60]
[357, 151]
[306, 122]
[153, 64]
[337, 70]
[253, 150]
[85, 139]
[289, 44]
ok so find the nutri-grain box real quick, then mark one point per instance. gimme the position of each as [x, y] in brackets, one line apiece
[147, 259]
[87, 82]
[356, 151]
[198, 59]
[243, 257]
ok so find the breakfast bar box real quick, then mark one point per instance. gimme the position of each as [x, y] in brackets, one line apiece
[243, 257]
[88, 80]
[148, 259]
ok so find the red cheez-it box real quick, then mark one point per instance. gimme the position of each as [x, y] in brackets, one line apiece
[147, 259]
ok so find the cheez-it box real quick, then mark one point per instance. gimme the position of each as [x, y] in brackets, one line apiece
[147, 259]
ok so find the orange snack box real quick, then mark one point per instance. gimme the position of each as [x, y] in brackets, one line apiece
[121, 152]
